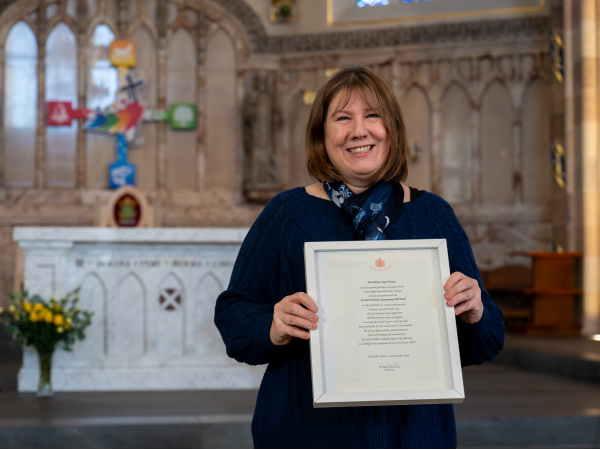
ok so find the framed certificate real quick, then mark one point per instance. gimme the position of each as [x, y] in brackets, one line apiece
[385, 335]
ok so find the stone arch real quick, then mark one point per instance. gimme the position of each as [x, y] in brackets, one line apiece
[497, 152]
[147, 67]
[456, 107]
[62, 80]
[222, 152]
[20, 114]
[203, 337]
[535, 119]
[60, 18]
[419, 136]
[99, 150]
[94, 299]
[181, 87]
[166, 317]
[126, 317]
[14, 13]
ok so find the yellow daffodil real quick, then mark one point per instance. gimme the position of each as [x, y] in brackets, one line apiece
[33, 317]
[56, 308]
[69, 320]
[27, 306]
[67, 325]
[38, 307]
[58, 320]
[48, 316]
[60, 329]
[12, 309]
[1, 310]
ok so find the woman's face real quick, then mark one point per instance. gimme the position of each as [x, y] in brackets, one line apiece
[356, 140]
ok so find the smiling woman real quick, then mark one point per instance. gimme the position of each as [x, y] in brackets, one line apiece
[355, 128]
[357, 148]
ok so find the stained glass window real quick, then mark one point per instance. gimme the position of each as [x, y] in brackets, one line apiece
[20, 102]
[103, 82]
[363, 3]
[102, 86]
[61, 84]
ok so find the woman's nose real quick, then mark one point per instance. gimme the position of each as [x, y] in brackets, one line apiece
[359, 129]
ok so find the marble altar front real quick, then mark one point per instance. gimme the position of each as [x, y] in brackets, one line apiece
[152, 292]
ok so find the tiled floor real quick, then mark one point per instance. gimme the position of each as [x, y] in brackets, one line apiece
[504, 407]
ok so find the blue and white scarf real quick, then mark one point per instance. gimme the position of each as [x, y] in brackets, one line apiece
[371, 211]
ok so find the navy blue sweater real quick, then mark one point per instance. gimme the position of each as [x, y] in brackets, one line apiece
[270, 266]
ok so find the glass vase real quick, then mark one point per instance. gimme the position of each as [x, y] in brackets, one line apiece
[45, 385]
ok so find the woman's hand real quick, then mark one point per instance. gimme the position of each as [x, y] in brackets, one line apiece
[291, 320]
[464, 294]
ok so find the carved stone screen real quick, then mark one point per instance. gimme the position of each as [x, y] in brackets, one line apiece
[61, 84]
[20, 112]
[477, 91]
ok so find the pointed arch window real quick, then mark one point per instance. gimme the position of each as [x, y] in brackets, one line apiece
[20, 102]
[102, 87]
[61, 84]
[103, 83]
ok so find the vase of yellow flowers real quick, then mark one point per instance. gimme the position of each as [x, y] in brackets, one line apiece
[43, 324]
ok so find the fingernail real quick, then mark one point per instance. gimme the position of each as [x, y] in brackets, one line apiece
[315, 326]
[449, 303]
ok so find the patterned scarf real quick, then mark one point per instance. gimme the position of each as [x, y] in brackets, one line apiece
[371, 211]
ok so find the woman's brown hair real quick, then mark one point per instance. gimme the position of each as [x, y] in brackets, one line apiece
[369, 86]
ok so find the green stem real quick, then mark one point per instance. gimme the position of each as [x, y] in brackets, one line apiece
[45, 386]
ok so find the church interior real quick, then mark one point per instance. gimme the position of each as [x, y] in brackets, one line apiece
[140, 139]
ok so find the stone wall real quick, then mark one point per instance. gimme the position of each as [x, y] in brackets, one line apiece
[478, 97]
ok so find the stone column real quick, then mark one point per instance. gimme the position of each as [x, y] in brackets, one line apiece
[2, 146]
[82, 49]
[437, 163]
[40, 133]
[517, 163]
[161, 129]
[475, 194]
[201, 32]
[581, 138]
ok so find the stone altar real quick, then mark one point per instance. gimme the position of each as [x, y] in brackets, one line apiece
[152, 292]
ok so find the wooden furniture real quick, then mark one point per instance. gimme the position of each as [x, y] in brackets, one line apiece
[553, 294]
[509, 282]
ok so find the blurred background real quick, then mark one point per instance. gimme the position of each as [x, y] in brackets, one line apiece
[140, 138]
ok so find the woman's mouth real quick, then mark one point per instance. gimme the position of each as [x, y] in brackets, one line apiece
[359, 150]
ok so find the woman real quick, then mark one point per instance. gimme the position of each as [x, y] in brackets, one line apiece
[357, 148]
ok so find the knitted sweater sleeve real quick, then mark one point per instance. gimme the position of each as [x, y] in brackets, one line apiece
[244, 312]
[482, 341]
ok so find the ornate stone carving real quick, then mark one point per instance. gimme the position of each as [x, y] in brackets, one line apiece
[385, 37]
[260, 118]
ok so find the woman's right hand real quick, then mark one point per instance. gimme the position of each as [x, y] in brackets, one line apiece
[291, 320]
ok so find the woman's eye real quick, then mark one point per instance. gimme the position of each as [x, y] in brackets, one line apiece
[343, 118]
[373, 115]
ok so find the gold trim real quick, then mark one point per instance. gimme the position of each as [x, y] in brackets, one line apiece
[558, 168]
[483, 12]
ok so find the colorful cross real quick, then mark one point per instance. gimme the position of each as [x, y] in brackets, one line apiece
[125, 116]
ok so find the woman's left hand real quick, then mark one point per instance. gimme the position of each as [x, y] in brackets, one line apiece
[464, 294]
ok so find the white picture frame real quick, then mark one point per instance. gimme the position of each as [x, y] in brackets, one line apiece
[320, 260]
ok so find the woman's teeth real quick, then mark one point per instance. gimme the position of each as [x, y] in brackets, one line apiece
[360, 149]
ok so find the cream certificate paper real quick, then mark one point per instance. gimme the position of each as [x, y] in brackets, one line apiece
[379, 312]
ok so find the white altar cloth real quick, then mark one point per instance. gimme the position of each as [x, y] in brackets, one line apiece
[153, 295]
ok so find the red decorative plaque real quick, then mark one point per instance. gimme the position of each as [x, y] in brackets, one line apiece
[127, 212]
